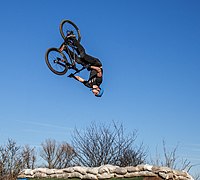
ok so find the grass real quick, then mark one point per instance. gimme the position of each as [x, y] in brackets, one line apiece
[136, 178]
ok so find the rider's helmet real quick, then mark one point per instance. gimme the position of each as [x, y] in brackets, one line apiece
[100, 93]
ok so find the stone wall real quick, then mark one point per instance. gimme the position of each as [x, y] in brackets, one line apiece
[107, 172]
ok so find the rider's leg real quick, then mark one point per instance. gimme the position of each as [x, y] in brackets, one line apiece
[85, 57]
[92, 60]
[80, 49]
[75, 57]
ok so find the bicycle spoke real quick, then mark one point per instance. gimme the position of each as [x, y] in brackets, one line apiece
[56, 61]
[67, 26]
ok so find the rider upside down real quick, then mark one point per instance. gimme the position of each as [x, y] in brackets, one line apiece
[91, 63]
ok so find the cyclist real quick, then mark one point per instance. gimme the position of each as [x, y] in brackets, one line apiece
[91, 63]
[94, 80]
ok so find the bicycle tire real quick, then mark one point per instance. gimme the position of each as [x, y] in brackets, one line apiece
[67, 25]
[52, 56]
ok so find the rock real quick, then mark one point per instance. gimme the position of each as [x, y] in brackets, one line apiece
[40, 175]
[130, 175]
[21, 176]
[90, 177]
[111, 168]
[53, 176]
[132, 169]
[140, 174]
[146, 171]
[92, 170]
[119, 176]
[60, 175]
[170, 176]
[140, 167]
[75, 175]
[65, 175]
[152, 178]
[103, 169]
[179, 173]
[58, 171]
[163, 175]
[50, 171]
[40, 170]
[107, 169]
[80, 169]
[105, 176]
[121, 171]
[157, 169]
[147, 167]
[28, 172]
[182, 178]
[68, 170]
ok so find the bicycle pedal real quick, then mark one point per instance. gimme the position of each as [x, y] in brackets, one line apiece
[55, 61]
[69, 65]
[76, 69]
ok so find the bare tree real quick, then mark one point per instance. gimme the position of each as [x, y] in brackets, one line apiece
[197, 176]
[14, 158]
[65, 155]
[100, 145]
[10, 160]
[133, 157]
[56, 155]
[29, 157]
[171, 160]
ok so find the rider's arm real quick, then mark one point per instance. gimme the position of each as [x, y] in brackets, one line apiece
[86, 83]
[78, 78]
[98, 69]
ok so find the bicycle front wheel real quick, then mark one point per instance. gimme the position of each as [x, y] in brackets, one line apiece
[56, 61]
[68, 26]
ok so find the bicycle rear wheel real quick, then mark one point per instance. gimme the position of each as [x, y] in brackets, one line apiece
[67, 26]
[56, 61]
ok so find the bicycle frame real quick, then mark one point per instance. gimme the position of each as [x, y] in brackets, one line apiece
[72, 59]
[59, 60]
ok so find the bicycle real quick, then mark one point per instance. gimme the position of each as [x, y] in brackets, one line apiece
[58, 61]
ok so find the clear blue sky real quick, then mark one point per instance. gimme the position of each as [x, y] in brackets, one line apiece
[150, 51]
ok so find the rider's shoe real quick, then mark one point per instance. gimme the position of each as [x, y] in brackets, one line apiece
[71, 36]
[71, 75]
[74, 67]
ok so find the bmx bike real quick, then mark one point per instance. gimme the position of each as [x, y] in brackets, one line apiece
[59, 61]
